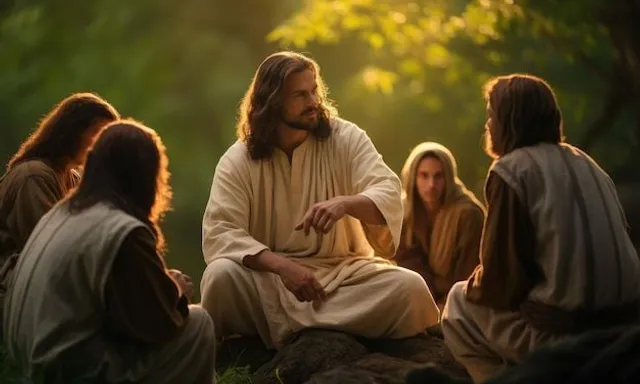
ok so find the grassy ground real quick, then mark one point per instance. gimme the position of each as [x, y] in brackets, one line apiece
[8, 372]
[10, 375]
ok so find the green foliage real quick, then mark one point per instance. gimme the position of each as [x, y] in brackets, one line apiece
[176, 67]
[405, 71]
[441, 52]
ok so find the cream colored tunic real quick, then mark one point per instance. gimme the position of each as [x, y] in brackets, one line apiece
[255, 205]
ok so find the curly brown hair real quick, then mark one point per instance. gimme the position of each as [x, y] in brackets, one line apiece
[524, 111]
[260, 110]
[58, 139]
[127, 167]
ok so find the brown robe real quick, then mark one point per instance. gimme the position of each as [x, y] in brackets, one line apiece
[27, 191]
[457, 230]
[507, 251]
[157, 311]
[442, 249]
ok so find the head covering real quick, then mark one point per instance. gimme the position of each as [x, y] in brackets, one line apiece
[456, 195]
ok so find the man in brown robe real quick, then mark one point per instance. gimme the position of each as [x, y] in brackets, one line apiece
[91, 298]
[43, 170]
[442, 222]
[556, 258]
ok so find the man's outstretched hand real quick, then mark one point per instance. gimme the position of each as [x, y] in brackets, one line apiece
[323, 216]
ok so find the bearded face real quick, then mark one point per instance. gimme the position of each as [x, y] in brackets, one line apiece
[300, 106]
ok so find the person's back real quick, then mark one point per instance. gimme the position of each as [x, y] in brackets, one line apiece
[584, 250]
[556, 259]
[91, 296]
[64, 261]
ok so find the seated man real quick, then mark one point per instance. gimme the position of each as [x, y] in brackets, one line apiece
[298, 206]
[92, 300]
[442, 220]
[556, 258]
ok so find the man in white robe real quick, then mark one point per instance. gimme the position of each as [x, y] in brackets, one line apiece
[302, 216]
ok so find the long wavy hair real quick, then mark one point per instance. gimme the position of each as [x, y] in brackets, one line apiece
[127, 168]
[261, 108]
[523, 111]
[59, 138]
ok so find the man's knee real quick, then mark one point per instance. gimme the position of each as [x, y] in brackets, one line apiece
[217, 281]
[455, 302]
[412, 286]
[201, 323]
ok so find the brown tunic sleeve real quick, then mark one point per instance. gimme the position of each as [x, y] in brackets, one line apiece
[468, 255]
[37, 195]
[507, 269]
[142, 302]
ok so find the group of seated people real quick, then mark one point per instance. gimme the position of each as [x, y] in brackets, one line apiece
[306, 227]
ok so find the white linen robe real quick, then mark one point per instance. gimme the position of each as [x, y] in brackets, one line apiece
[255, 205]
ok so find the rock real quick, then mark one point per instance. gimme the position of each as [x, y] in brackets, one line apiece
[373, 368]
[330, 357]
[313, 351]
[419, 349]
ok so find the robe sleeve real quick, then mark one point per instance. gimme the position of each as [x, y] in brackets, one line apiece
[371, 177]
[143, 303]
[468, 255]
[507, 270]
[35, 197]
[225, 226]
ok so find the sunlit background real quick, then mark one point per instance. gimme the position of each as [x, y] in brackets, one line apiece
[405, 71]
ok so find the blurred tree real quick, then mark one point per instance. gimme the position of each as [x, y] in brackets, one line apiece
[587, 49]
[179, 68]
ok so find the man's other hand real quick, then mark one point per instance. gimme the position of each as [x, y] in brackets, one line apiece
[300, 281]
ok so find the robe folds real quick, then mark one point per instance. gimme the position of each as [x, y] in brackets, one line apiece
[255, 205]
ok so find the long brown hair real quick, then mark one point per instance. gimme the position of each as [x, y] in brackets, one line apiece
[261, 108]
[59, 137]
[127, 168]
[523, 111]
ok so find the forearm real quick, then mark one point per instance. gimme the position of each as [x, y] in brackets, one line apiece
[265, 261]
[364, 209]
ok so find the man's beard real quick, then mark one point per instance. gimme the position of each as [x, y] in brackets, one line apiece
[302, 126]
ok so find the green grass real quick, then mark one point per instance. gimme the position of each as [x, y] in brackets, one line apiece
[9, 374]
[235, 375]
